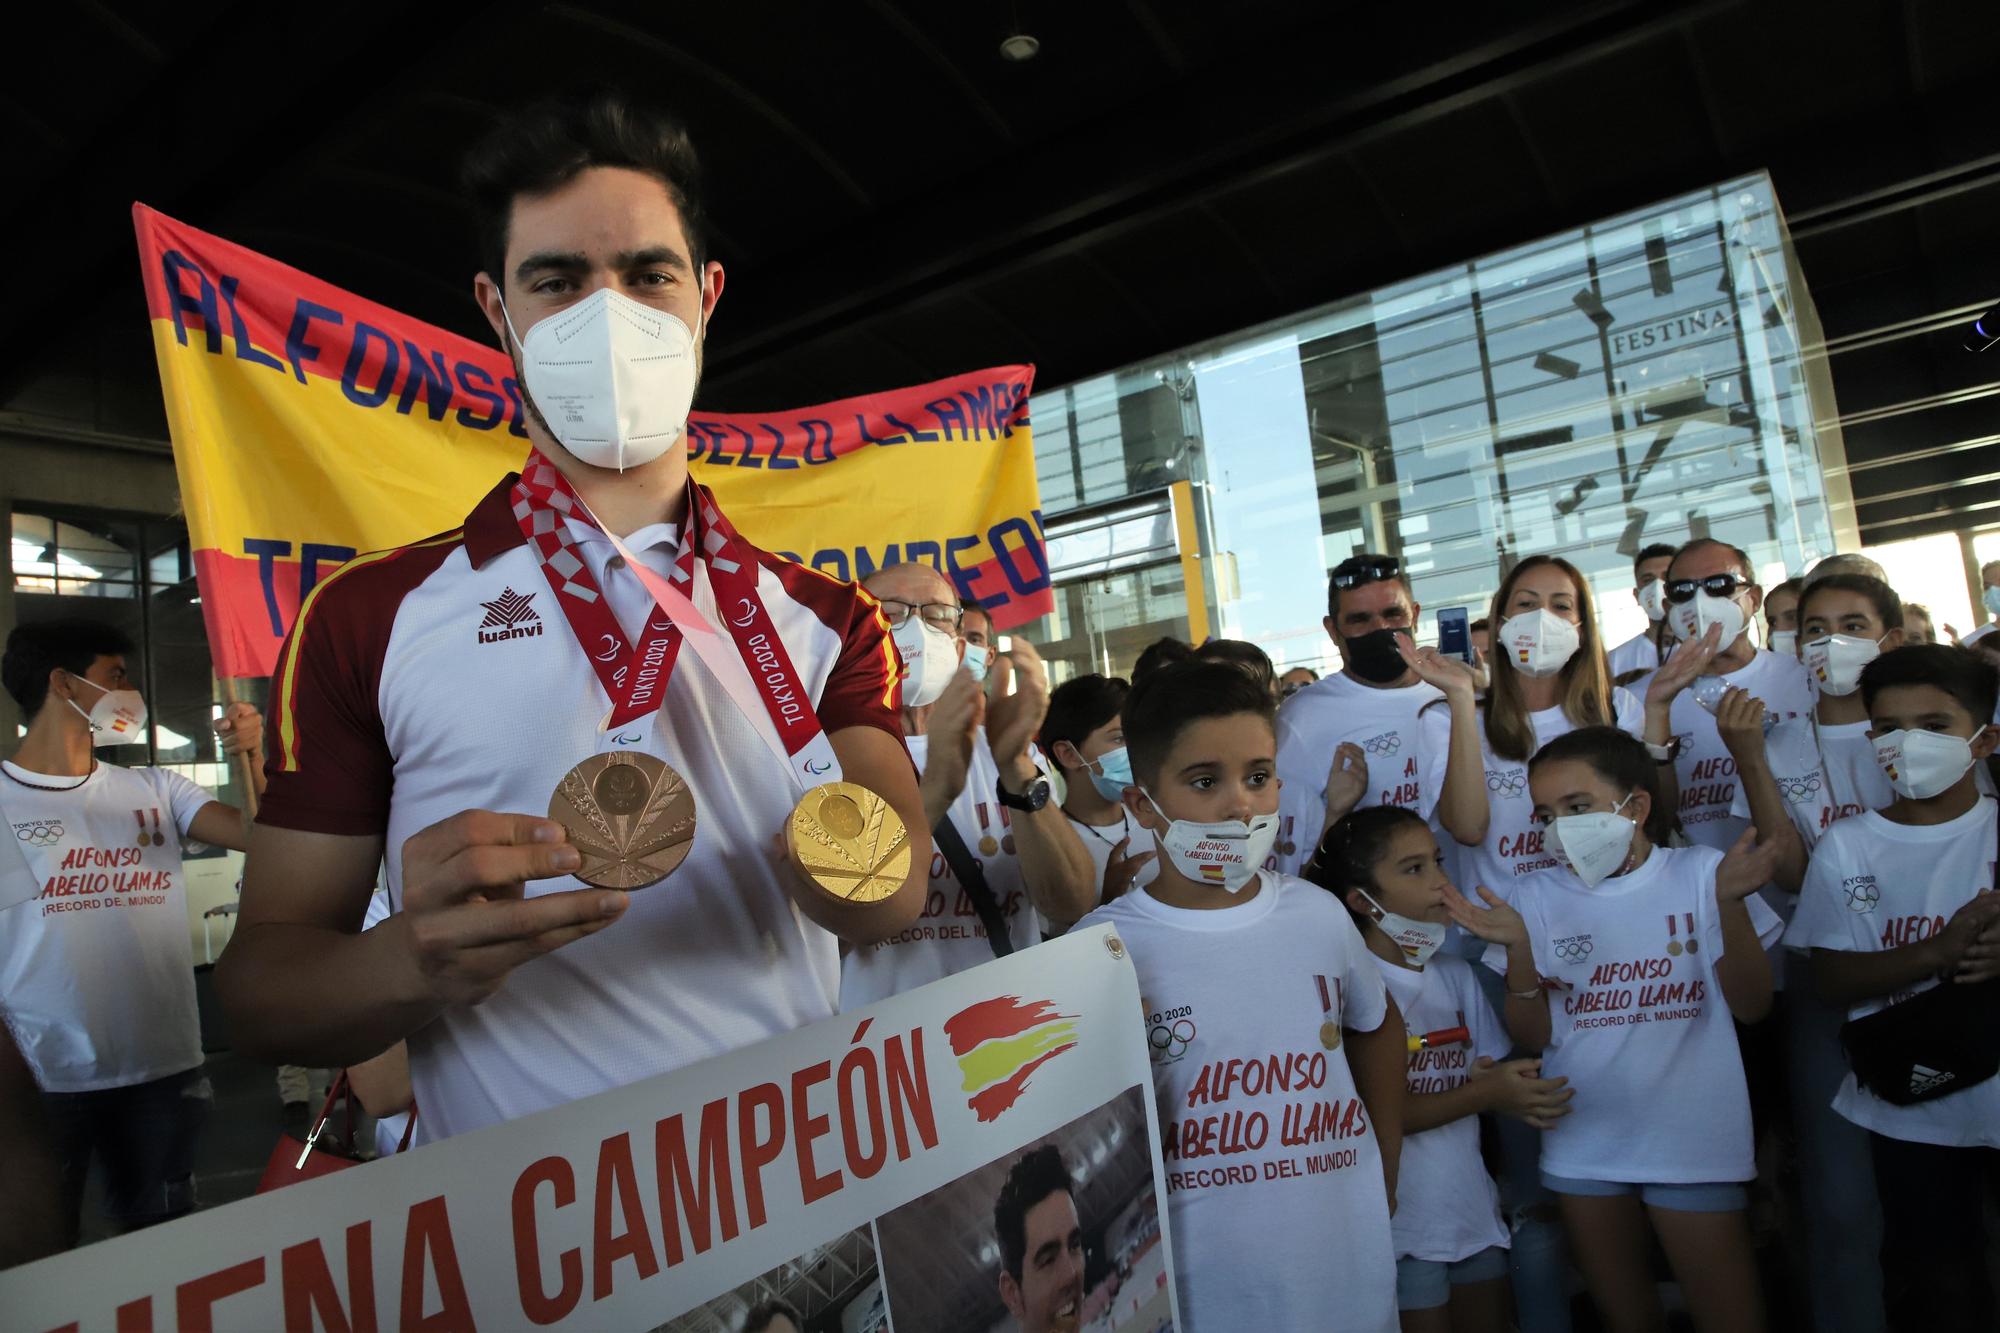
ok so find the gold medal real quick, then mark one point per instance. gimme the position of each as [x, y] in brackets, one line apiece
[848, 845]
[630, 815]
[987, 846]
[1329, 1035]
[1674, 948]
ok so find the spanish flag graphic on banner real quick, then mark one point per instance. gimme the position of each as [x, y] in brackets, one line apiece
[1000, 1043]
[310, 424]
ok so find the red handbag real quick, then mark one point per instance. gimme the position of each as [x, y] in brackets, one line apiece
[293, 1161]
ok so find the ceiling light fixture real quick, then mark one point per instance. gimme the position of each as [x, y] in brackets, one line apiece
[1019, 47]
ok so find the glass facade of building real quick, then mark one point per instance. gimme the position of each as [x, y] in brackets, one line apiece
[1649, 378]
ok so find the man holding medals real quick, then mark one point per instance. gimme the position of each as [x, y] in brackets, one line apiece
[711, 730]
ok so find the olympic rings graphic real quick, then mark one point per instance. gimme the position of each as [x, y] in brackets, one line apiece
[1862, 893]
[1574, 951]
[1797, 790]
[1511, 783]
[40, 832]
[1171, 1040]
[1387, 743]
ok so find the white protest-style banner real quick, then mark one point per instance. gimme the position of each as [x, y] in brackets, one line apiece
[633, 1207]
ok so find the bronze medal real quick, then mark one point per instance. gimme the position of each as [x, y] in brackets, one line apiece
[1329, 1035]
[849, 844]
[1693, 945]
[630, 815]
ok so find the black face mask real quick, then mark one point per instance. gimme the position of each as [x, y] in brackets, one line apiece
[1373, 656]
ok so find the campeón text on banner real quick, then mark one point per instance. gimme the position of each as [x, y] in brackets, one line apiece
[625, 1209]
[309, 424]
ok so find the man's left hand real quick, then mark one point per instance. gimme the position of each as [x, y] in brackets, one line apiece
[1017, 699]
[241, 728]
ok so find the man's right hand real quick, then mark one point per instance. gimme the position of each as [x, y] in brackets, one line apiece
[952, 728]
[465, 916]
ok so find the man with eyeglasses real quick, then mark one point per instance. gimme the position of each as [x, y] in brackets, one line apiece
[1351, 740]
[1710, 588]
[1002, 845]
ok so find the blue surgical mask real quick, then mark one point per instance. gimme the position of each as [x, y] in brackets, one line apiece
[1111, 773]
[977, 659]
[1990, 599]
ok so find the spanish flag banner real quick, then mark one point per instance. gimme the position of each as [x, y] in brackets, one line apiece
[310, 424]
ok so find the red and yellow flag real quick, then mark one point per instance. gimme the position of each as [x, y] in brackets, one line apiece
[310, 424]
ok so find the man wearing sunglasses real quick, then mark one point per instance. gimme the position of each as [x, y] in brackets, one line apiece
[1350, 740]
[1710, 587]
[983, 781]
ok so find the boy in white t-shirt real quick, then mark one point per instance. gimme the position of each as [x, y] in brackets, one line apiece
[1451, 1241]
[1084, 737]
[1795, 783]
[1277, 1055]
[1641, 653]
[1897, 901]
[96, 978]
[1629, 969]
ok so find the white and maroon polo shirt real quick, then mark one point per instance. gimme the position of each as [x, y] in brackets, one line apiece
[438, 677]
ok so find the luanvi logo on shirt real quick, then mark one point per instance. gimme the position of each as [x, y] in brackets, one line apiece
[40, 832]
[1573, 948]
[1000, 1043]
[1923, 1078]
[511, 615]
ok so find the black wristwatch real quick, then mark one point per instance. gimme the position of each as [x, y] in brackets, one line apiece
[1031, 800]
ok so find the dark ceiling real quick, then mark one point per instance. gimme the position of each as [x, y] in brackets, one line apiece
[895, 201]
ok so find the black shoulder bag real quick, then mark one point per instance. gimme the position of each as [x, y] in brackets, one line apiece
[959, 857]
[1937, 1042]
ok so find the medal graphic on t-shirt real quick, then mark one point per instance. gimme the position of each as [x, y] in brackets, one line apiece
[1329, 1002]
[987, 846]
[153, 838]
[1006, 822]
[1674, 945]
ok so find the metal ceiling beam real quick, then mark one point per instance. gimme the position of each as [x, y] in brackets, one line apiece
[1201, 146]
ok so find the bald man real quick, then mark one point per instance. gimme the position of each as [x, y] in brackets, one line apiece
[983, 780]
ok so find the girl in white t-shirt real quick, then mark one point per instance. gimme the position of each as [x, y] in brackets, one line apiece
[1451, 1262]
[1628, 968]
[1548, 677]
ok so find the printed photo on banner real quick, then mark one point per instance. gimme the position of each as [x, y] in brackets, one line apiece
[1060, 1235]
[830, 1288]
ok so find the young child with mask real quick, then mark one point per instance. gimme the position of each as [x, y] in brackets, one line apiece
[1628, 968]
[1451, 1261]
[1897, 901]
[1085, 738]
[1277, 1057]
[1796, 782]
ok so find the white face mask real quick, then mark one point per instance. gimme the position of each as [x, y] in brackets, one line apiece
[1539, 642]
[1921, 764]
[118, 718]
[1595, 844]
[1417, 939]
[1836, 661]
[1653, 598]
[930, 656]
[1226, 853]
[1693, 617]
[977, 659]
[1785, 641]
[613, 379]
